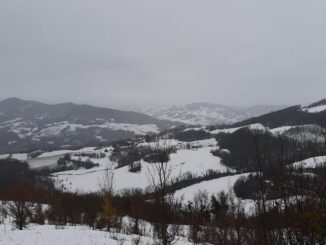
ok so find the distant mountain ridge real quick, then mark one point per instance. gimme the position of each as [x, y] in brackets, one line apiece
[318, 103]
[315, 113]
[208, 113]
[26, 125]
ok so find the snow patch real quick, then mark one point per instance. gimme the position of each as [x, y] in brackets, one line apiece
[312, 162]
[315, 109]
[256, 126]
[211, 187]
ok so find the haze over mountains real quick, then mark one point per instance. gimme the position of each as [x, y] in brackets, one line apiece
[27, 125]
[204, 159]
[209, 113]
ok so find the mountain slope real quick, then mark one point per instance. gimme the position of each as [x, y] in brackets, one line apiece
[207, 113]
[26, 125]
[292, 116]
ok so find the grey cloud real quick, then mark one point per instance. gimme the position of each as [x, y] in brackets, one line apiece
[136, 53]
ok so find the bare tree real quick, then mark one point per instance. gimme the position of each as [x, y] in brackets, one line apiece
[106, 184]
[159, 178]
[3, 211]
[21, 213]
[197, 210]
[108, 212]
[21, 207]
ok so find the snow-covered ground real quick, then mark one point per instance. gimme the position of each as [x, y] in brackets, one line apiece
[62, 152]
[48, 162]
[48, 234]
[211, 187]
[70, 235]
[195, 161]
[256, 126]
[309, 132]
[202, 115]
[281, 130]
[195, 129]
[315, 109]
[312, 162]
[207, 113]
[215, 186]
[18, 156]
[224, 184]
[179, 144]
[24, 129]
[49, 159]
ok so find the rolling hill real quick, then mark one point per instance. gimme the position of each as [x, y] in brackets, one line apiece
[208, 113]
[314, 113]
[27, 125]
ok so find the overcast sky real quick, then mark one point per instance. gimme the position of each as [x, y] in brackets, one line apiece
[135, 53]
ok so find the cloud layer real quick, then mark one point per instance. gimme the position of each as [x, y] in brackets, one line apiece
[137, 53]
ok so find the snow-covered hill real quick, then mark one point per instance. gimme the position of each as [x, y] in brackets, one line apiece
[316, 107]
[314, 113]
[196, 161]
[194, 157]
[211, 187]
[26, 125]
[312, 162]
[207, 113]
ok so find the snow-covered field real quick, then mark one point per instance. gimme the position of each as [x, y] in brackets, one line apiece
[49, 159]
[49, 235]
[179, 144]
[207, 113]
[315, 109]
[18, 156]
[70, 235]
[24, 129]
[281, 130]
[256, 126]
[195, 161]
[309, 132]
[211, 187]
[215, 186]
[312, 162]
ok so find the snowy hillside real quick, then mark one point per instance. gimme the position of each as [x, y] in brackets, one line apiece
[207, 114]
[314, 113]
[195, 161]
[198, 158]
[211, 187]
[312, 162]
[316, 107]
[193, 157]
[28, 125]
[46, 159]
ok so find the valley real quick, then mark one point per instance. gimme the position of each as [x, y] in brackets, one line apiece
[199, 163]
